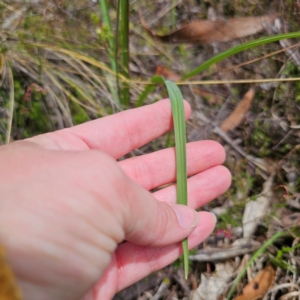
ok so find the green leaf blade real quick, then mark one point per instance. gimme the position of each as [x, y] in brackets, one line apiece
[180, 149]
[180, 140]
[238, 49]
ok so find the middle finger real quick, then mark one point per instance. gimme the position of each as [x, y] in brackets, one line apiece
[156, 169]
[202, 188]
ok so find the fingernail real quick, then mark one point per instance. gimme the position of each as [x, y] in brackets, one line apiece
[187, 217]
[215, 217]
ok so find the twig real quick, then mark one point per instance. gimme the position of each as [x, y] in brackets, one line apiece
[215, 254]
[252, 160]
[162, 290]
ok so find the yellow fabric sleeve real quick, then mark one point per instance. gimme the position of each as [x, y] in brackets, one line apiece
[8, 287]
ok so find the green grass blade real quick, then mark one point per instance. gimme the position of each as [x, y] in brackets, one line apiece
[107, 22]
[180, 140]
[117, 48]
[180, 148]
[257, 254]
[144, 94]
[148, 90]
[238, 49]
[112, 46]
[11, 104]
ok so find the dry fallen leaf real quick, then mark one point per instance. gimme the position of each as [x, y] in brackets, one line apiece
[208, 31]
[291, 220]
[259, 285]
[8, 287]
[237, 116]
[256, 209]
[166, 73]
[213, 284]
[212, 98]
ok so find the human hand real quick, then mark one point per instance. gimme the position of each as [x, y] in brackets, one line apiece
[66, 205]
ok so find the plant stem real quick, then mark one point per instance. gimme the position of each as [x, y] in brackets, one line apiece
[125, 50]
[107, 22]
[111, 49]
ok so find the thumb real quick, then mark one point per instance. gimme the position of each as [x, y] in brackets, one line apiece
[148, 221]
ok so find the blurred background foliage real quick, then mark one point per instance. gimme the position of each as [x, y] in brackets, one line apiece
[59, 47]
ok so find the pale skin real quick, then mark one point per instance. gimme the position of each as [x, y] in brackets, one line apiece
[77, 224]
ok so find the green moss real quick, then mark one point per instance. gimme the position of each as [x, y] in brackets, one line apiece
[233, 8]
[260, 139]
[32, 120]
[78, 113]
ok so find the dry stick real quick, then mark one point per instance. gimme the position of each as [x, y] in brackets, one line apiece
[209, 82]
[252, 160]
[214, 254]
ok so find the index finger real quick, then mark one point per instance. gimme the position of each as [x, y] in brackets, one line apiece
[121, 133]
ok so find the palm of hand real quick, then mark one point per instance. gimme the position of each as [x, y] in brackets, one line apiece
[117, 135]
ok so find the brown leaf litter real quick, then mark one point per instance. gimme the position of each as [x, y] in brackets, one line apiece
[166, 73]
[209, 31]
[259, 285]
[237, 116]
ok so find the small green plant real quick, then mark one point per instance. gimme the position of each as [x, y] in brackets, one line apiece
[280, 260]
[256, 255]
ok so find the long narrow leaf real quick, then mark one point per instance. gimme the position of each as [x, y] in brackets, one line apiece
[180, 148]
[238, 49]
[117, 35]
[148, 90]
[144, 94]
[107, 22]
[111, 49]
[11, 104]
[125, 50]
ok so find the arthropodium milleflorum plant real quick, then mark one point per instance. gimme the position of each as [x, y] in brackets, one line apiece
[180, 150]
